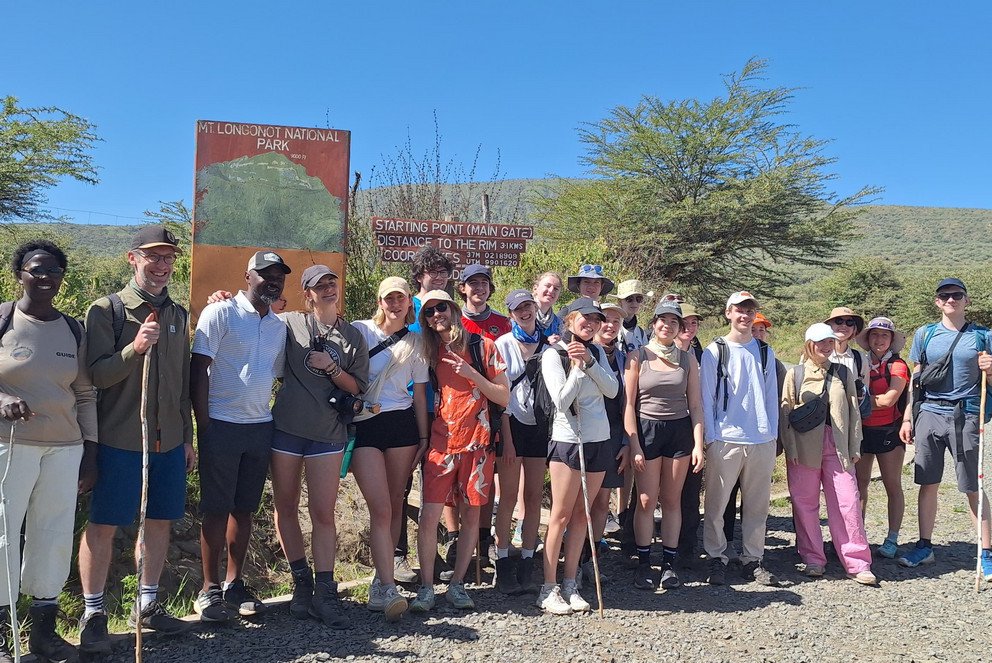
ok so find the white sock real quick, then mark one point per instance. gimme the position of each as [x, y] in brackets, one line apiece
[146, 595]
[93, 604]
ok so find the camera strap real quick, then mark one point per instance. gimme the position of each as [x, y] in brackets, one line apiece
[389, 341]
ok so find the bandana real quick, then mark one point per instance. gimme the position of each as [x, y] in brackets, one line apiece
[549, 323]
[630, 324]
[477, 317]
[881, 362]
[522, 336]
[670, 353]
[156, 301]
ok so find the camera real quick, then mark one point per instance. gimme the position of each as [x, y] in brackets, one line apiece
[348, 405]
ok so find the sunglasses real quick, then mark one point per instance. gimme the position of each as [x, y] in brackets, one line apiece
[637, 299]
[957, 296]
[44, 271]
[849, 322]
[591, 268]
[440, 307]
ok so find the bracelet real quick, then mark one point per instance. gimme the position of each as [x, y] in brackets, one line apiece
[337, 372]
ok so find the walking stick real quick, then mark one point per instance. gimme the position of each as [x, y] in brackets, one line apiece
[585, 503]
[981, 480]
[15, 634]
[140, 562]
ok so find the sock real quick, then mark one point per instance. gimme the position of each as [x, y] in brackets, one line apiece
[526, 553]
[146, 595]
[326, 577]
[670, 555]
[893, 536]
[644, 554]
[93, 603]
[502, 553]
[301, 571]
[38, 602]
[451, 536]
[924, 543]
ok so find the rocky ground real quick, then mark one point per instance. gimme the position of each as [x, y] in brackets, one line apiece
[927, 614]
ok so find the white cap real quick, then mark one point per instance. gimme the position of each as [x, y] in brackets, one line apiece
[820, 331]
[741, 297]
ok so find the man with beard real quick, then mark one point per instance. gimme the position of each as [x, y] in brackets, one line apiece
[238, 350]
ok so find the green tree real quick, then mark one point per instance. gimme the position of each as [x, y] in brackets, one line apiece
[37, 147]
[706, 196]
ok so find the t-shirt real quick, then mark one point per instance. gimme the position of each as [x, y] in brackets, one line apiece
[462, 421]
[394, 394]
[879, 385]
[521, 405]
[633, 338]
[751, 415]
[492, 326]
[964, 378]
[248, 354]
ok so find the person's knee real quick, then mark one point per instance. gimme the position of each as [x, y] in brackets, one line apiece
[97, 534]
[322, 516]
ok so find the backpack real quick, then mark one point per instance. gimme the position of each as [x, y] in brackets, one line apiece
[118, 316]
[7, 321]
[721, 371]
[904, 396]
[544, 406]
[864, 395]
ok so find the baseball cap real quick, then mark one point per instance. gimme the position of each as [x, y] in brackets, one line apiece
[518, 297]
[585, 306]
[689, 311]
[668, 306]
[949, 282]
[392, 284]
[610, 306]
[263, 259]
[314, 273]
[475, 270]
[741, 297]
[819, 331]
[149, 236]
[436, 296]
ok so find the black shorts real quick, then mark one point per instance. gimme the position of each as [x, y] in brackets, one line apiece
[880, 440]
[234, 462]
[529, 441]
[668, 438]
[596, 455]
[613, 478]
[387, 430]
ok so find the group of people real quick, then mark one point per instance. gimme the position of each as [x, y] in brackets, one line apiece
[477, 404]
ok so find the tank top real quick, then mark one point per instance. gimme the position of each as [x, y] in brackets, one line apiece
[662, 394]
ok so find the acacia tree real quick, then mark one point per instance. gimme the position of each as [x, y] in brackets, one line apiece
[37, 147]
[710, 195]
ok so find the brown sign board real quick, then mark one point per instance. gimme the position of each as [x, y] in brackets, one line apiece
[267, 187]
[492, 244]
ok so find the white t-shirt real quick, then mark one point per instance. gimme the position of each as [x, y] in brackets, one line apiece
[521, 397]
[394, 394]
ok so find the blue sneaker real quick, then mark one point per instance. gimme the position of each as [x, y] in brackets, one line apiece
[987, 565]
[918, 555]
[888, 549]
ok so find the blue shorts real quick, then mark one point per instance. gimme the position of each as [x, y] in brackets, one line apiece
[117, 493]
[294, 445]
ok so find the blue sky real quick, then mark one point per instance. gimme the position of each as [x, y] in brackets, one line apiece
[901, 88]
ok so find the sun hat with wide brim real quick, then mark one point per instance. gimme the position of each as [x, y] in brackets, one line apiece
[881, 322]
[844, 312]
[590, 272]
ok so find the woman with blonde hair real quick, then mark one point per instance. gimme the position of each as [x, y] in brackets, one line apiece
[546, 290]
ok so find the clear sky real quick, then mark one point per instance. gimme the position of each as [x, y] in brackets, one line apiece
[901, 88]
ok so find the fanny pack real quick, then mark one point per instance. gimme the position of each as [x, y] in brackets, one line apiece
[812, 413]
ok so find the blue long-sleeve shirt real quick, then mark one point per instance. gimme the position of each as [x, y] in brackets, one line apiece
[751, 415]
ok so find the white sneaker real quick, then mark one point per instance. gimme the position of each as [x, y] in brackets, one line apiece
[393, 603]
[376, 603]
[550, 600]
[570, 593]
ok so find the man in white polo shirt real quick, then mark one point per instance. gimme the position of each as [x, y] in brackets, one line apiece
[238, 351]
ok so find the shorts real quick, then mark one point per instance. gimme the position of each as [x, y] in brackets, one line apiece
[880, 440]
[596, 454]
[234, 462]
[612, 447]
[469, 474]
[668, 438]
[529, 441]
[294, 445]
[934, 433]
[117, 493]
[388, 430]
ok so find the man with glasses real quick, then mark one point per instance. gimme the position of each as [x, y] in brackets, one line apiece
[138, 324]
[947, 417]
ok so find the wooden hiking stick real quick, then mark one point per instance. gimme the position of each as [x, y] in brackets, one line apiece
[585, 503]
[140, 562]
[979, 576]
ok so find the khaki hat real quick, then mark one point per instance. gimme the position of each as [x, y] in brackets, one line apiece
[689, 311]
[436, 296]
[609, 306]
[631, 287]
[393, 284]
[844, 312]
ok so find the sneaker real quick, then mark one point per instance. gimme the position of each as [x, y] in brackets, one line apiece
[643, 578]
[506, 577]
[918, 555]
[459, 598]
[865, 577]
[889, 549]
[326, 607]
[446, 576]
[299, 605]
[670, 579]
[154, 617]
[550, 600]
[813, 570]
[394, 605]
[986, 562]
[402, 573]
[570, 593]
[242, 598]
[93, 635]
[756, 572]
[518, 535]
[612, 524]
[716, 572]
[211, 607]
[424, 601]
[589, 575]
[376, 601]
[525, 575]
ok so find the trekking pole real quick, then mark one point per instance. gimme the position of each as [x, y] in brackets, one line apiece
[981, 480]
[140, 562]
[15, 634]
[585, 503]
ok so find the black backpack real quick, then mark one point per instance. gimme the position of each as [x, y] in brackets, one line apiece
[721, 371]
[7, 321]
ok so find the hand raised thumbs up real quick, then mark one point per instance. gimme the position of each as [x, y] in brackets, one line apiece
[148, 334]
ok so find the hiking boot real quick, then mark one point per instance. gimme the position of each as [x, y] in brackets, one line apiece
[865, 577]
[813, 570]
[458, 597]
[506, 581]
[758, 573]
[402, 573]
[889, 549]
[669, 579]
[644, 578]
[376, 601]
[570, 593]
[299, 605]
[446, 576]
[44, 642]
[326, 606]
[424, 601]
[393, 603]
[93, 635]
[211, 607]
[550, 600]
[716, 572]
[154, 617]
[242, 598]
[525, 575]
[918, 555]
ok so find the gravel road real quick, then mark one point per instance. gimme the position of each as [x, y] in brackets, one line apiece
[926, 614]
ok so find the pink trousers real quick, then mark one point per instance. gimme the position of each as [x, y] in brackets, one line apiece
[840, 488]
